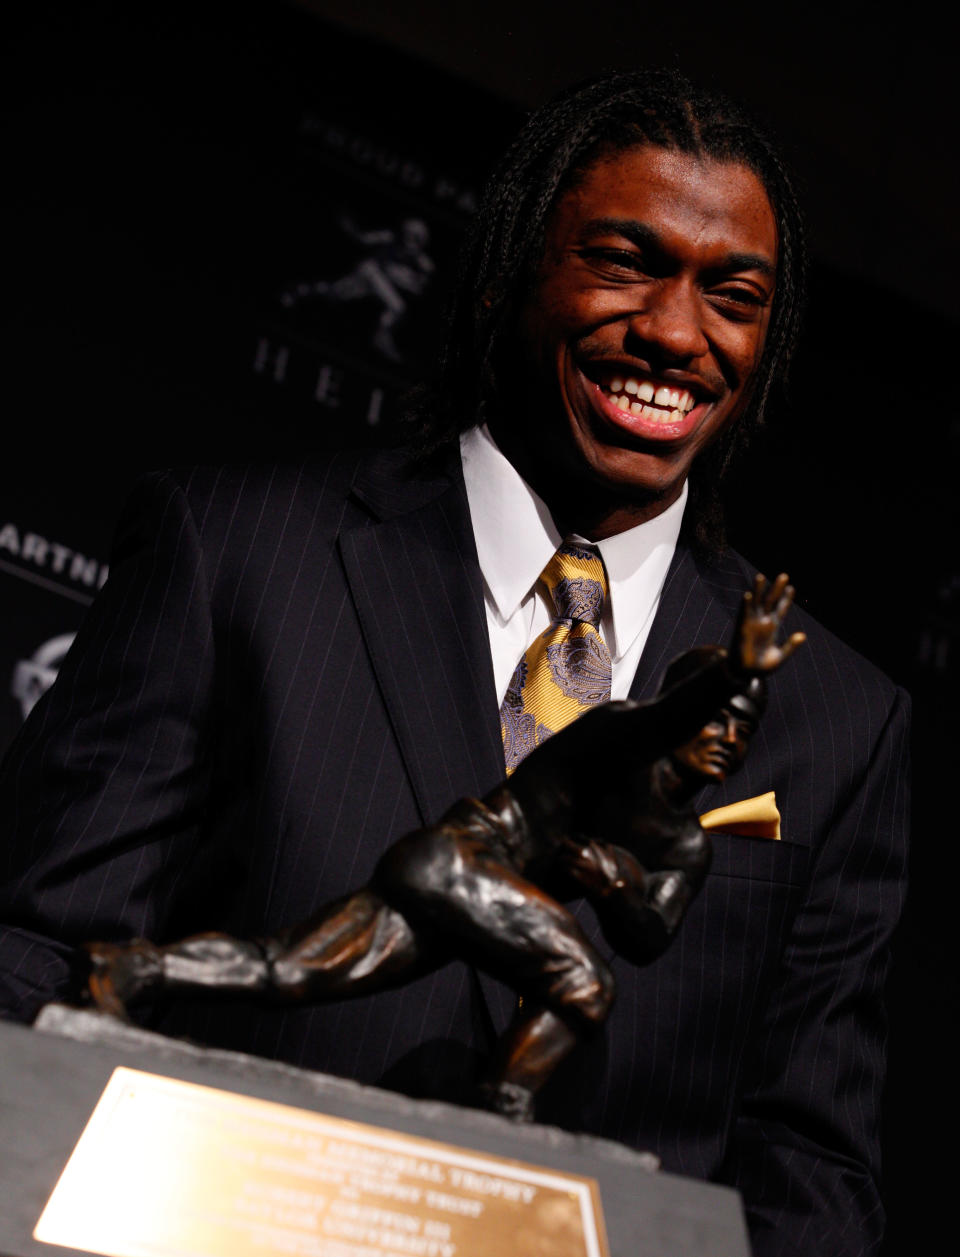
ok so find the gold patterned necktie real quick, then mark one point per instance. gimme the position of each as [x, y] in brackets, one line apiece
[567, 669]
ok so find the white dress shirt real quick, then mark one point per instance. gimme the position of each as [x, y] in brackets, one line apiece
[516, 537]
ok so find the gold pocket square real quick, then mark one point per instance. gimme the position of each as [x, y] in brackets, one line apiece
[758, 817]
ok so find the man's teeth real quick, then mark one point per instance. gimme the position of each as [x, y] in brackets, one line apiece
[649, 412]
[676, 402]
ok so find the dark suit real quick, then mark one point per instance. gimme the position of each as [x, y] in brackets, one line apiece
[289, 668]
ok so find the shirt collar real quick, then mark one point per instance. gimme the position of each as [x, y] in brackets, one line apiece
[516, 537]
[637, 562]
[515, 532]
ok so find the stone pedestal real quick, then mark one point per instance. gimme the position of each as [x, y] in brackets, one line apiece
[52, 1076]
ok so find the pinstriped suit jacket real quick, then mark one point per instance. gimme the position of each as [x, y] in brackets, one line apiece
[289, 668]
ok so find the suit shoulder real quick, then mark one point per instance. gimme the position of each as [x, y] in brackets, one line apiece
[243, 499]
[240, 488]
[235, 517]
[390, 480]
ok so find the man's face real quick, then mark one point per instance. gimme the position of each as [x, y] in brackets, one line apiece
[719, 748]
[640, 338]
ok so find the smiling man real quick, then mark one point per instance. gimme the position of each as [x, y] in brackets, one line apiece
[643, 329]
[292, 667]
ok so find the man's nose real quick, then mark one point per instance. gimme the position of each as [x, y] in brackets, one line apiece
[669, 323]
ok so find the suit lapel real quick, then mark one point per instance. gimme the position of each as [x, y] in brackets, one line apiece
[416, 584]
[696, 608]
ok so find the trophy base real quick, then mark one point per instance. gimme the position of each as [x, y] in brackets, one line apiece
[479, 1170]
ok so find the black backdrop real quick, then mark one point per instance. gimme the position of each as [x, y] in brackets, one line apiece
[231, 238]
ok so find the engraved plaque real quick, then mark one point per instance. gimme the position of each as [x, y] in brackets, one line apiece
[167, 1168]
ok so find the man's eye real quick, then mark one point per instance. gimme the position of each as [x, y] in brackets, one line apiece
[614, 259]
[738, 303]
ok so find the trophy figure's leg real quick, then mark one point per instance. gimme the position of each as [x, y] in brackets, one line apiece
[526, 1056]
[460, 889]
[353, 947]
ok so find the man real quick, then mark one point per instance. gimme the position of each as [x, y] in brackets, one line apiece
[289, 669]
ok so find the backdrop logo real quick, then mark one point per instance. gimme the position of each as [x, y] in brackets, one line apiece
[33, 677]
[394, 267]
[50, 564]
[390, 165]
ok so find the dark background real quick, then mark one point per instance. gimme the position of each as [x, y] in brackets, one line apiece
[172, 171]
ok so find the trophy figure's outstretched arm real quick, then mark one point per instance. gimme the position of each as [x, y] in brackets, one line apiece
[756, 646]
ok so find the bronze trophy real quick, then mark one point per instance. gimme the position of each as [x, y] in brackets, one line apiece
[600, 810]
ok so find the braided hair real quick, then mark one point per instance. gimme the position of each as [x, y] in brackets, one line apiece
[616, 111]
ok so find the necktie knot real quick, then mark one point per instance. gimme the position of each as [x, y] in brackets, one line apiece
[577, 582]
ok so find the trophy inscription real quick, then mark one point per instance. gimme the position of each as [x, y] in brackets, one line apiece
[195, 1169]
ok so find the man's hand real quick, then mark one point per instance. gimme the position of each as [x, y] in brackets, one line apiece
[755, 648]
